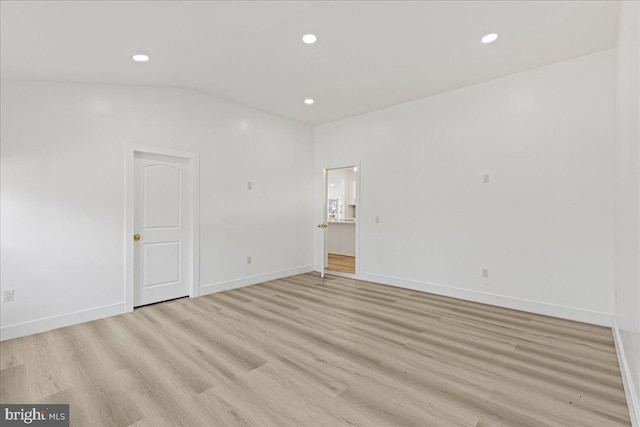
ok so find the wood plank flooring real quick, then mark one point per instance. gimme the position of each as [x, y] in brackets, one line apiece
[342, 263]
[321, 352]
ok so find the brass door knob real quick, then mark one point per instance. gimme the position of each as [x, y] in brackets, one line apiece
[136, 237]
[322, 225]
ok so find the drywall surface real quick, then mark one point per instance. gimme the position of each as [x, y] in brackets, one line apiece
[63, 152]
[543, 224]
[627, 203]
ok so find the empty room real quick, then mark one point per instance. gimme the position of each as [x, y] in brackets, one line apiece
[320, 213]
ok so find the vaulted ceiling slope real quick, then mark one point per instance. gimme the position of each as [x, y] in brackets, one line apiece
[369, 55]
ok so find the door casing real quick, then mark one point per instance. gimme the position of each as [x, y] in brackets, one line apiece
[194, 223]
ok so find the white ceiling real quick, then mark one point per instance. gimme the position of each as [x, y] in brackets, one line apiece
[369, 55]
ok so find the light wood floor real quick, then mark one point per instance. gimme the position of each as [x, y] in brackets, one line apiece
[313, 352]
[342, 263]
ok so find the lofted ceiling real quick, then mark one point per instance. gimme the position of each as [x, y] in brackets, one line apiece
[369, 54]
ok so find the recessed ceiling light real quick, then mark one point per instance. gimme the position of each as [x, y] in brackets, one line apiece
[309, 101]
[140, 57]
[489, 38]
[309, 38]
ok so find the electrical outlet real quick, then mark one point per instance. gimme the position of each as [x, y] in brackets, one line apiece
[485, 178]
[485, 273]
[7, 295]
[249, 185]
[249, 260]
[377, 220]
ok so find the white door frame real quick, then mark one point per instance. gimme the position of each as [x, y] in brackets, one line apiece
[325, 194]
[194, 223]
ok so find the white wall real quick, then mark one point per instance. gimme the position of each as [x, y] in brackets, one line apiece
[543, 226]
[627, 204]
[63, 193]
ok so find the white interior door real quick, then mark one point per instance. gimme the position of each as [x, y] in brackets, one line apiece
[162, 238]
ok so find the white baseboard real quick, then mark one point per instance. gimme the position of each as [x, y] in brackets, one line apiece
[563, 312]
[629, 386]
[54, 322]
[253, 280]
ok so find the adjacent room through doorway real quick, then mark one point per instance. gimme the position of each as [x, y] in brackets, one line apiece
[341, 220]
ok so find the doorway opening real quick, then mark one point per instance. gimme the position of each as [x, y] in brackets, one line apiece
[341, 217]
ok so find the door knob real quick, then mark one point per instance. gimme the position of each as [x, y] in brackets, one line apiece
[136, 237]
[322, 225]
